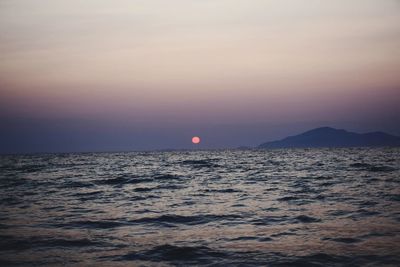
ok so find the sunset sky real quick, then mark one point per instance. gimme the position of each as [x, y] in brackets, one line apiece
[96, 75]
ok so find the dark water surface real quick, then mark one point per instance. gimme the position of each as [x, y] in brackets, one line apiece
[318, 207]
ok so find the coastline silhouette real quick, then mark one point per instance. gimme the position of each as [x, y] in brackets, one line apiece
[331, 137]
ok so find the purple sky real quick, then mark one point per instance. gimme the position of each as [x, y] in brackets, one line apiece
[101, 75]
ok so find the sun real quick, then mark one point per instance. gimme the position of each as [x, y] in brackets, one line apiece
[196, 140]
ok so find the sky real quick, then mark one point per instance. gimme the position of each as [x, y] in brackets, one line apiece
[97, 75]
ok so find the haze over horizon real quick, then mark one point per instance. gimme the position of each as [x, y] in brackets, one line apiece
[138, 75]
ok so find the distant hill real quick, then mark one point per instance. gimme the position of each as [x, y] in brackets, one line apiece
[330, 137]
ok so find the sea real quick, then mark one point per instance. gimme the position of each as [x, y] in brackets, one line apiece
[289, 207]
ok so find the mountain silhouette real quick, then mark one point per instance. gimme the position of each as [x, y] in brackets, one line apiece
[330, 137]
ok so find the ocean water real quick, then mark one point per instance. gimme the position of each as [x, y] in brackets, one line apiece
[293, 207]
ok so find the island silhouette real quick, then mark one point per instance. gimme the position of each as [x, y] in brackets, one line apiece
[331, 137]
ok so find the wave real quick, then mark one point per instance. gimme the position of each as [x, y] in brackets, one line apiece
[32, 168]
[167, 220]
[271, 220]
[347, 240]
[167, 177]
[338, 213]
[172, 253]
[200, 163]
[394, 197]
[76, 184]
[87, 194]
[307, 219]
[143, 189]
[100, 224]
[122, 180]
[18, 244]
[283, 234]
[372, 168]
[57, 242]
[288, 198]
[228, 190]
[285, 219]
